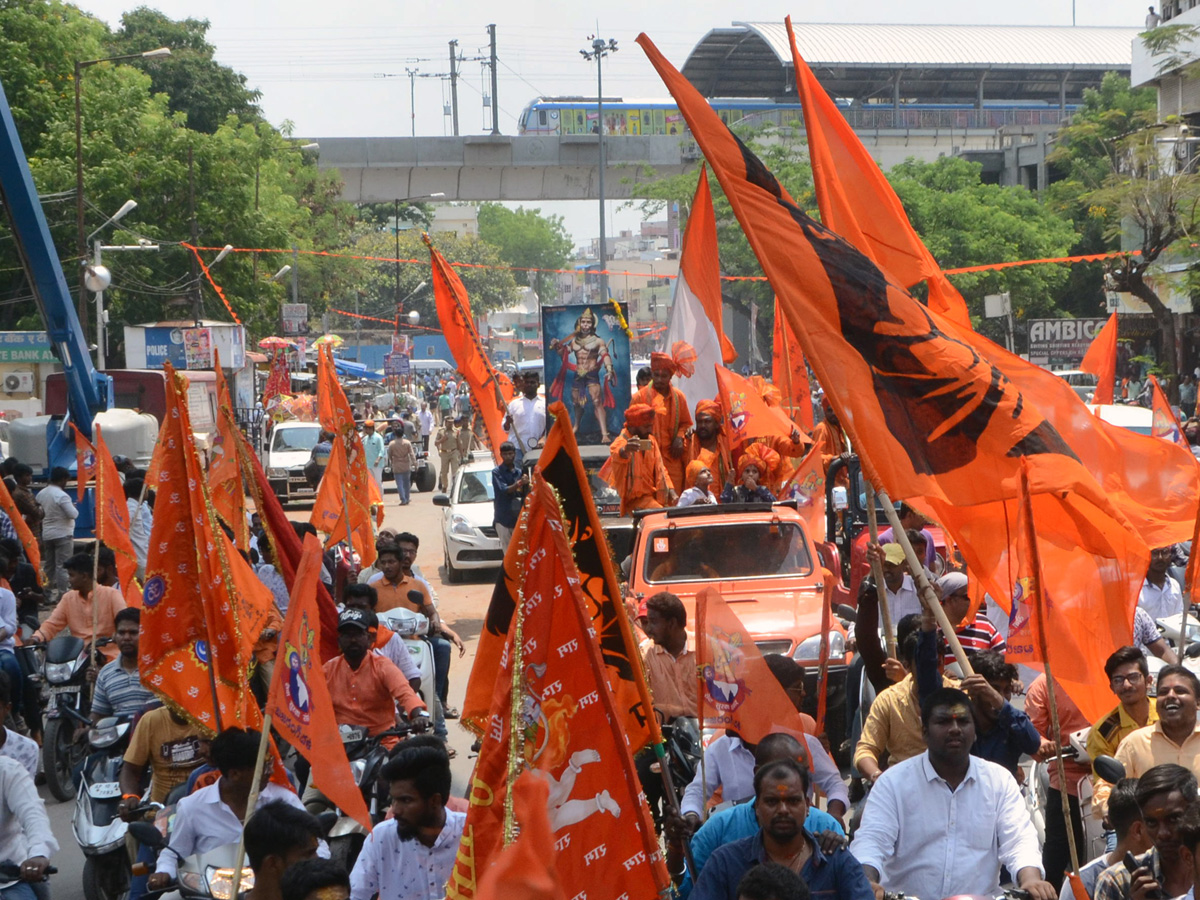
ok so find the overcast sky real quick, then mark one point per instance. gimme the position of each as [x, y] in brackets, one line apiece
[320, 64]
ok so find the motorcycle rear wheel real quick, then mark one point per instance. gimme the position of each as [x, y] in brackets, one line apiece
[59, 755]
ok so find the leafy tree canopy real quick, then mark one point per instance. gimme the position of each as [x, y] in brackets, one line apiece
[526, 238]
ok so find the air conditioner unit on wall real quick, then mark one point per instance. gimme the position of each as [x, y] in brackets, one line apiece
[18, 382]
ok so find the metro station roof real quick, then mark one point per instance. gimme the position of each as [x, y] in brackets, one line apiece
[935, 63]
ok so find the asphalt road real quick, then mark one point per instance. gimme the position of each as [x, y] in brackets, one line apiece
[462, 606]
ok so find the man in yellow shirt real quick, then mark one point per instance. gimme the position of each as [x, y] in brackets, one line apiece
[1175, 738]
[1129, 677]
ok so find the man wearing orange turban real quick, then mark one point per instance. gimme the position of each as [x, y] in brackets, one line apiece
[635, 465]
[754, 471]
[672, 419]
[708, 442]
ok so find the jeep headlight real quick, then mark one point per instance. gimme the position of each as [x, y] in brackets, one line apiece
[810, 648]
[460, 525]
[274, 472]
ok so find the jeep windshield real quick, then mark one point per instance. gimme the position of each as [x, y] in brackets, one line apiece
[291, 439]
[726, 551]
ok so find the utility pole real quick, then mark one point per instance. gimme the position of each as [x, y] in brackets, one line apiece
[495, 99]
[197, 299]
[454, 84]
[601, 49]
[412, 96]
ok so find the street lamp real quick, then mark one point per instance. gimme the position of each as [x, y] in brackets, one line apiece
[97, 278]
[79, 67]
[280, 274]
[601, 49]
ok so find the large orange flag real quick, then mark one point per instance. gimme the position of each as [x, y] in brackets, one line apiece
[789, 373]
[299, 704]
[490, 391]
[562, 467]
[747, 414]
[224, 473]
[552, 713]
[858, 203]
[203, 608]
[112, 521]
[525, 869]
[1101, 361]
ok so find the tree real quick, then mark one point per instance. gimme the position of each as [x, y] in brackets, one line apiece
[197, 85]
[527, 239]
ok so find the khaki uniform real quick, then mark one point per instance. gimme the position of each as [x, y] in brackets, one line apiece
[447, 448]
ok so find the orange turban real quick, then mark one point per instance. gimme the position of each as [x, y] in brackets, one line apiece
[763, 458]
[680, 361]
[694, 468]
[711, 408]
[639, 415]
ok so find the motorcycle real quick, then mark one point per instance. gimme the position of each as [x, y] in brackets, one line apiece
[65, 672]
[99, 830]
[413, 627]
[204, 876]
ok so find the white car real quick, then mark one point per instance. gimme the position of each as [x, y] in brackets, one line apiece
[469, 539]
[1126, 415]
[288, 449]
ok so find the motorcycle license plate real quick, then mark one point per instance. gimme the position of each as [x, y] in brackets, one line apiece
[56, 690]
[105, 790]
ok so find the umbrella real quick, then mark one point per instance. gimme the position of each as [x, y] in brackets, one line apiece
[332, 339]
[274, 343]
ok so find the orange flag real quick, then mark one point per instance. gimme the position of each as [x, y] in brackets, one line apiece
[28, 542]
[525, 869]
[85, 464]
[489, 391]
[739, 690]
[224, 473]
[807, 488]
[1164, 424]
[562, 467]
[858, 203]
[299, 704]
[203, 608]
[789, 373]
[1101, 361]
[747, 413]
[112, 521]
[553, 713]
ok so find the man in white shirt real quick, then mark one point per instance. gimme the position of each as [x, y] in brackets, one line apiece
[141, 522]
[212, 817]
[425, 420]
[25, 835]
[58, 530]
[901, 592]
[1161, 596]
[411, 856]
[943, 823]
[526, 419]
[373, 447]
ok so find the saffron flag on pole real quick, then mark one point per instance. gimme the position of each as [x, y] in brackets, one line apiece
[112, 521]
[526, 869]
[299, 703]
[224, 473]
[490, 391]
[562, 467]
[1101, 361]
[696, 302]
[28, 542]
[85, 464]
[552, 713]
[747, 413]
[203, 609]
[1164, 423]
[789, 372]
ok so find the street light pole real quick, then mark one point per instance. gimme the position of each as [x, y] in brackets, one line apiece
[601, 49]
[81, 246]
[101, 316]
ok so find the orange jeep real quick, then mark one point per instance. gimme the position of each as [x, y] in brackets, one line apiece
[763, 561]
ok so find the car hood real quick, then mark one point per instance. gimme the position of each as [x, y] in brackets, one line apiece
[478, 515]
[770, 614]
[287, 459]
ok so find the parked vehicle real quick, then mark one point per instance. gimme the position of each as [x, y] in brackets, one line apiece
[469, 538]
[99, 830]
[289, 447]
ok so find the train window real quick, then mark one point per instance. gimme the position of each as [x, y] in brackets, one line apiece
[542, 117]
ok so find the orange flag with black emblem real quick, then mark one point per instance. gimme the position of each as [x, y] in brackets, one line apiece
[1101, 361]
[203, 609]
[112, 521]
[299, 704]
[490, 391]
[747, 415]
[552, 712]
[224, 473]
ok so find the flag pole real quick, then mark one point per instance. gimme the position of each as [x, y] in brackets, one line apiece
[928, 597]
[885, 615]
[1039, 611]
[252, 800]
[97, 506]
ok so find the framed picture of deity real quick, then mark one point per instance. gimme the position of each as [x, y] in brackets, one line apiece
[585, 349]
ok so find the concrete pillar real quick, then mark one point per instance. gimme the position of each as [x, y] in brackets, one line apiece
[979, 89]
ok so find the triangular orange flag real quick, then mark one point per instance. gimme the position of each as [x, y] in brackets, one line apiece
[1163, 423]
[85, 464]
[747, 414]
[299, 703]
[789, 373]
[525, 869]
[224, 473]
[28, 542]
[1101, 361]
[112, 521]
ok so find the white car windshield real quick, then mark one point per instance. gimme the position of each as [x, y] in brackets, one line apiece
[288, 439]
[475, 487]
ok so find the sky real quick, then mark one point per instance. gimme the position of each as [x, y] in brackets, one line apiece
[338, 69]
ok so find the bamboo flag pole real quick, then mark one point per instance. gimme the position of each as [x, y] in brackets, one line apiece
[97, 506]
[885, 615]
[928, 597]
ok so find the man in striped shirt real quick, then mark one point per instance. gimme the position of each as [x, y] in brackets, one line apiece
[975, 635]
[119, 690]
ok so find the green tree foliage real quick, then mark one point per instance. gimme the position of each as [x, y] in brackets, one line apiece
[195, 83]
[526, 238]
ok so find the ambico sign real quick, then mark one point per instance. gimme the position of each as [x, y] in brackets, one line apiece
[1061, 342]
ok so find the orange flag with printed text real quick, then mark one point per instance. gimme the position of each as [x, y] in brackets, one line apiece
[789, 373]
[112, 521]
[299, 703]
[224, 473]
[1101, 361]
[490, 391]
[203, 608]
[568, 733]
[29, 543]
[85, 464]
[746, 413]
[739, 691]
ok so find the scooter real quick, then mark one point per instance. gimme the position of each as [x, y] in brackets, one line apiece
[1037, 786]
[99, 830]
[65, 672]
[204, 876]
[413, 627]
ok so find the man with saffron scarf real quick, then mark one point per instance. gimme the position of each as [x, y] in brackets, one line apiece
[709, 443]
[672, 419]
[635, 464]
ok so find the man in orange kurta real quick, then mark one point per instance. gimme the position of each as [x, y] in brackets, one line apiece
[672, 419]
[829, 437]
[636, 466]
[709, 444]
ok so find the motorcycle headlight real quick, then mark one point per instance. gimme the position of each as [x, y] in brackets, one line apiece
[459, 525]
[104, 737]
[57, 673]
[810, 648]
[277, 473]
[358, 768]
[192, 881]
[220, 882]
